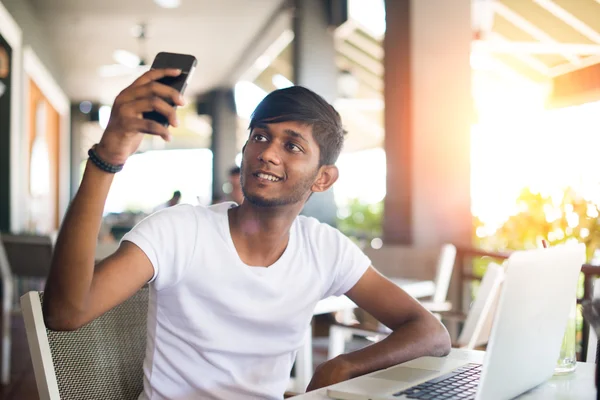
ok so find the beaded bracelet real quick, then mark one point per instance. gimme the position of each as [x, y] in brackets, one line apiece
[100, 163]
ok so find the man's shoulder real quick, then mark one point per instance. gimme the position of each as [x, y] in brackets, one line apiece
[317, 231]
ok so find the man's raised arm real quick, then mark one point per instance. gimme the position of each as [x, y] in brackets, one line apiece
[77, 291]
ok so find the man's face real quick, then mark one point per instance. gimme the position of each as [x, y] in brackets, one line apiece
[280, 164]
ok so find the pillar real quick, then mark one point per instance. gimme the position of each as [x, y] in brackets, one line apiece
[315, 68]
[220, 105]
[427, 122]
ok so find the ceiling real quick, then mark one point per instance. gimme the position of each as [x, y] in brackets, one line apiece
[84, 35]
[538, 39]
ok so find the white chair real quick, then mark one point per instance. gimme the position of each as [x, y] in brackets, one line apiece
[101, 360]
[478, 324]
[445, 266]
[7, 303]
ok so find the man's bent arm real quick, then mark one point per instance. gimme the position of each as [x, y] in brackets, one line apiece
[77, 291]
[416, 332]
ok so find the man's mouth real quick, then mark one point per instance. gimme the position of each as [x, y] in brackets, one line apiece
[267, 176]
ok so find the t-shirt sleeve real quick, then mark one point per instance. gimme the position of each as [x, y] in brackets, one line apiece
[343, 263]
[168, 239]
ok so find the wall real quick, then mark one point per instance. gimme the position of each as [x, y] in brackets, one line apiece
[5, 122]
[48, 219]
[34, 34]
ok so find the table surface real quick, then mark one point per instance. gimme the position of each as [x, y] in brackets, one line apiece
[578, 385]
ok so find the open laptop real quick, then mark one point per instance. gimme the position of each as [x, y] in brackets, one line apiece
[538, 291]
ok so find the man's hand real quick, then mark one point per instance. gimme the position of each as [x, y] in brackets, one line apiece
[330, 372]
[126, 127]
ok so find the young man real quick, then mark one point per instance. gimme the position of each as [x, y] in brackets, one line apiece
[232, 288]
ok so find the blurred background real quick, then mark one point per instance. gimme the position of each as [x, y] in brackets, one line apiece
[472, 122]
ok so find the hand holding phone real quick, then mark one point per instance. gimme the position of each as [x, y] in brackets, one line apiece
[147, 106]
[184, 62]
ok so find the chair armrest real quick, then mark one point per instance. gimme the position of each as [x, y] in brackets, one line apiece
[363, 329]
[435, 307]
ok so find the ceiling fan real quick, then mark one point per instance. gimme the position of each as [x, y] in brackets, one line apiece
[127, 62]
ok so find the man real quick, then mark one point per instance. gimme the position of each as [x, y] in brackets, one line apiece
[236, 195]
[173, 201]
[232, 287]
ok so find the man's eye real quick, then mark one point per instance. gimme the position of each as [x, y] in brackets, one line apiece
[294, 148]
[259, 138]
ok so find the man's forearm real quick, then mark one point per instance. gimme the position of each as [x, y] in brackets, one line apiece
[72, 266]
[417, 338]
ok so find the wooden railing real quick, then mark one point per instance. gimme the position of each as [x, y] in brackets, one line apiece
[465, 271]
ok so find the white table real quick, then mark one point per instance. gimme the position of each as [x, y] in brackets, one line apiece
[304, 359]
[578, 385]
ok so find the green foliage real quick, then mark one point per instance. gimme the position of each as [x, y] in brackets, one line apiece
[558, 219]
[360, 220]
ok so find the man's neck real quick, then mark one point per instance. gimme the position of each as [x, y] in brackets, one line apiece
[261, 234]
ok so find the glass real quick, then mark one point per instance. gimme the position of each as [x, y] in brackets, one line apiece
[567, 359]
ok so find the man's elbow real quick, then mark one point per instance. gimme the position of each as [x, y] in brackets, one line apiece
[59, 319]
[441, 343]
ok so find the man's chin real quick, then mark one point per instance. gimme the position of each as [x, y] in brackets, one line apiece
[263, 202]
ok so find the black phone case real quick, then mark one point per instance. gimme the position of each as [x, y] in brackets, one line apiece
[172, 60]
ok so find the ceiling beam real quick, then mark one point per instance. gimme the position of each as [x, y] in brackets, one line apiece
[346, 29]
[360, 58]
[373, 49]
[569, 19]
[483, 17]
[505, 46]
[268, 56]
[565, 68]
[530, 28]
[370, 81]
[526, 59]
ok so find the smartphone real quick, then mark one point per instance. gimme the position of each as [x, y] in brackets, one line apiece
[186, 63]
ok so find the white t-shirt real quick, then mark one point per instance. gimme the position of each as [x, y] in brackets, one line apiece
[219, 329]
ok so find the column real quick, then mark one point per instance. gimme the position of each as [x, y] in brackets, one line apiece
[315, 69]
[220, 106]
[427, 120]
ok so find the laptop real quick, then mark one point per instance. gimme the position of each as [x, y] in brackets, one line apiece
[538, 291]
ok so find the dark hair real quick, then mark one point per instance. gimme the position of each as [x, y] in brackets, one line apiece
[300, 104]
[234, 171]
[177, 193]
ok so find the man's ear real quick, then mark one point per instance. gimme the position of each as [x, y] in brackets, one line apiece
[326, 177]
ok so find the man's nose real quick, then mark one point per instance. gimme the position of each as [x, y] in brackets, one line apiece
[270, 154]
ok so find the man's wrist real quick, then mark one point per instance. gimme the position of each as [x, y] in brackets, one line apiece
[108, 156]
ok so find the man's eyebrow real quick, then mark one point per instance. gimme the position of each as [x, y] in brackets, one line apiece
[295, 134]
[262, 126]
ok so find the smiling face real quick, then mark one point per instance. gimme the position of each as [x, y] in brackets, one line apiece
[280, 165]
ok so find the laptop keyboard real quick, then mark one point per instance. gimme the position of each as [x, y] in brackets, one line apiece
[460, 383]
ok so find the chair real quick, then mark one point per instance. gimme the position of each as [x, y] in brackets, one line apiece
[405, 262]
[101, 360]
[478, 323]
[419, 263]
[477, 327]
[24, 263]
